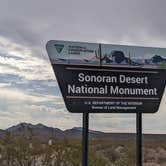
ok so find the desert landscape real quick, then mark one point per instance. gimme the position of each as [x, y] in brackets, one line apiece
[38, 145]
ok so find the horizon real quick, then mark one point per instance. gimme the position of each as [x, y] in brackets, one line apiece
[76, 127]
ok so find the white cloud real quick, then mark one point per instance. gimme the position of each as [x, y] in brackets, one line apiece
[8, 94]
[28, 66]
[4, 85]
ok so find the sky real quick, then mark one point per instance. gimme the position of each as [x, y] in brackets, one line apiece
[28, 88]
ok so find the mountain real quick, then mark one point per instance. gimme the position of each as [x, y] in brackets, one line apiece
[76, 132]
[38, 130]
[158, 59]
[42, 131]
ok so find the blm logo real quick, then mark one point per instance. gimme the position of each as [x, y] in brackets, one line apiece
[59, 47]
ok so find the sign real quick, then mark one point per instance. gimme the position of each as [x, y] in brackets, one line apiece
[104, 78]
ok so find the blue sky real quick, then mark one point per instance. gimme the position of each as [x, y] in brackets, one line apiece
[28, 88]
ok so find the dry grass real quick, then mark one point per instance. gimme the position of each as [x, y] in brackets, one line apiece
[69, 152]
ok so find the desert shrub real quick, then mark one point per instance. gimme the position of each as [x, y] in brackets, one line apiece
[26, 150]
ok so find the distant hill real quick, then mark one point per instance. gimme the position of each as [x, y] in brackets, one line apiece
[38, 130]
[76, 132]
[42, 131]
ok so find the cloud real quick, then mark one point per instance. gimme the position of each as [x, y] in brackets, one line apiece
[18, 106]
[113, 122]
[15, 95]
[108, 20]
[17, 60]
[156, 122]
[4, 85]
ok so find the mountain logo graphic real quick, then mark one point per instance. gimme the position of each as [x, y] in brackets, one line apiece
[59, 47]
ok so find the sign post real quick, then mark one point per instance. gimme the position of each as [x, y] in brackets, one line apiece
[105, 78]
[85, 139]
[139, 138]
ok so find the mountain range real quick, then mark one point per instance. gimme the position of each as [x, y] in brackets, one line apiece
[42, 131]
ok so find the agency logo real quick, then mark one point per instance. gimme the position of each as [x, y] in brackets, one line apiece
[59, 47]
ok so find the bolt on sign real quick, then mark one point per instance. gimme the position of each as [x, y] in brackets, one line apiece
[105, 78]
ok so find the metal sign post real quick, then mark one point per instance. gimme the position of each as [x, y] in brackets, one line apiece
[85, 139]
[139, 138]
